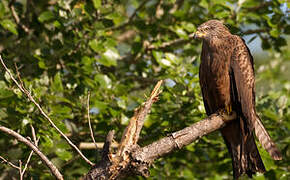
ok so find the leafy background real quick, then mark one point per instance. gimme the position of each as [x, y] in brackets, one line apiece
[114, 49]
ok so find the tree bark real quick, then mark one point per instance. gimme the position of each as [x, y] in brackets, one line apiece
[131, 159]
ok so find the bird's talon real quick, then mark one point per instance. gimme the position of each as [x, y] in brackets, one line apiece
[228, 109]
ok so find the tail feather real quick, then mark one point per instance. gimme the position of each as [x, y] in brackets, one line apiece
[266, 141]
[242, 147]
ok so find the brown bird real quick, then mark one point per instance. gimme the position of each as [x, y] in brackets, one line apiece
[227, 82]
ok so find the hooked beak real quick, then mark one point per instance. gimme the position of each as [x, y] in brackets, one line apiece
[199, 35]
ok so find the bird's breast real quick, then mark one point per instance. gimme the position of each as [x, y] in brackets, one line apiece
[214, 73]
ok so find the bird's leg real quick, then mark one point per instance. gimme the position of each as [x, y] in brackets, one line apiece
[227, 113]
[228, 109]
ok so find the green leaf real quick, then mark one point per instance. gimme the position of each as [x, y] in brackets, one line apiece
[63, 154]
[9, 25]
[109, 57]
[172, 58]
[121, 103]
[97, 47]
[45, 16]
[104, 81]
[56, 24]
[124, 119]
[4, 92]
[100, 105]
[164, 62]
[47, 142]
[274, 32]
[157, 55]
[2, 9]
[57, 84]
[181, 33]
[97, 4]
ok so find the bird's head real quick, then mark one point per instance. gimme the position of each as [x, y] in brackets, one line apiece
[211, 29]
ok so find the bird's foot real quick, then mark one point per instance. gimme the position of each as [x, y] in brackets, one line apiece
[227, 113]
[228, 109]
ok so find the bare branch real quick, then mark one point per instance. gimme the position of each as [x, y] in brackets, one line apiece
[26, 165]
[16, 18]
[8, 162]
[34, 135]
[176, 42]
[28, 94]
[131, 134]
[141, 158]
[20, 170]
[181, 138]
[31, 153]
[260, 6]
[44, 159]
[89, 119]
[91, 145]
[181, 41]
[108, 144]
[134, 160]
[254, 31]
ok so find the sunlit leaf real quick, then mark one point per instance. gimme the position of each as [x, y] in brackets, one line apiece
[9, 25]
[45, 16]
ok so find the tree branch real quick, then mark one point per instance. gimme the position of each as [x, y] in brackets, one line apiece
[181, 41]
[44, 159]
[9, 163]
[131, 134]
[254, 31]
[260, 6]
[176, 42]
[89, 119]
[130, 159]
[31, 153]
[98, 145]
[16, 17]
[28, 94]
[181, 138]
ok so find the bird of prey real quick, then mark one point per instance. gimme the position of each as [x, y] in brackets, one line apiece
[227, 83]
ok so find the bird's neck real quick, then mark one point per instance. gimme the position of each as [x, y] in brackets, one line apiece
[216, 42]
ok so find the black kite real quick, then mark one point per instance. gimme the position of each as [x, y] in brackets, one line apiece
[227, 83]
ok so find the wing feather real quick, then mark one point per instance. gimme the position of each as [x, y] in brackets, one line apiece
[244, 93]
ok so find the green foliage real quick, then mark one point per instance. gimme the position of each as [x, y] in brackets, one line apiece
[101, 46]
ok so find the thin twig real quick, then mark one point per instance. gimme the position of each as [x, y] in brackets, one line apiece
[89, 119]
[33, 135]
[260, 6]
[9, 163]
[26, 164]
[30, 155]
[254, 31]
[20, 170]
[172, 43]
[44, 159]
[181, 41]
[16, 17]
[91, 145]
[28, 94]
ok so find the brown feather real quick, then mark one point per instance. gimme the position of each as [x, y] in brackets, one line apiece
[227, 78]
